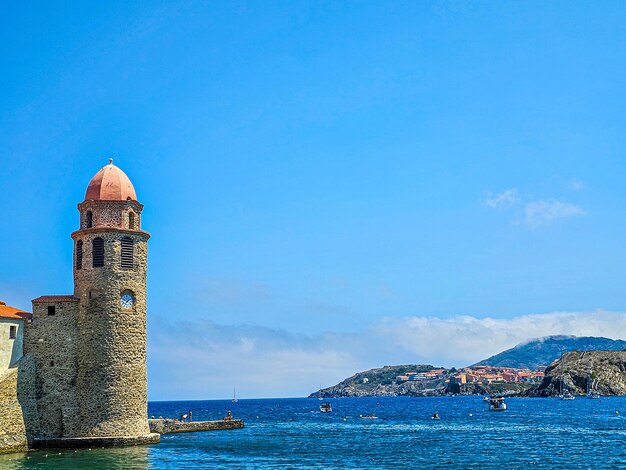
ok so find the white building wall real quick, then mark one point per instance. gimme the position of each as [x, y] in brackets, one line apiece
[10, 349]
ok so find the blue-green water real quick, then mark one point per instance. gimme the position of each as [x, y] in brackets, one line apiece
[292, 433]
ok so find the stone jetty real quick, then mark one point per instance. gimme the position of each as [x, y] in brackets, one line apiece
[169, 426]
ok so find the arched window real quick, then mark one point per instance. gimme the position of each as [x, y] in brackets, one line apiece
[127, 253]
[79, 254]
[97, 251]
[131, 220]
[88, 219]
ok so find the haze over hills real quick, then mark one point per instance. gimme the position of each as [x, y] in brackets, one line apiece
[543, 351]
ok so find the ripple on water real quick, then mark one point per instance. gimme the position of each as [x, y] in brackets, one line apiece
[290, 433]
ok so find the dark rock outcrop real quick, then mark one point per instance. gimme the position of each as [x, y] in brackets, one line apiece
[603, 372]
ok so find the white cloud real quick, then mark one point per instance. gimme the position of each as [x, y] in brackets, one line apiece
[575, 185]
[465, 339]
[543, 212]
[535, 212]
[200, 359]
[503, 199]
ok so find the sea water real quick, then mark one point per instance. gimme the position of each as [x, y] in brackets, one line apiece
[293, 433]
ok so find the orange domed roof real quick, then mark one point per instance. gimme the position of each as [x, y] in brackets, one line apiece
[110, 184]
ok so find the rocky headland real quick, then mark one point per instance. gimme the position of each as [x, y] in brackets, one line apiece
[577, 372]
[383, 382]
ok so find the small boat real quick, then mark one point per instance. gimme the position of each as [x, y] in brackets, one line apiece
[497, 404]
[435, 416]
[368, 416]
[326, 407]
[234, 400]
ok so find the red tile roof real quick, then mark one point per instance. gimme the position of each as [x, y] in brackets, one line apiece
[12, 312]
[55, 298]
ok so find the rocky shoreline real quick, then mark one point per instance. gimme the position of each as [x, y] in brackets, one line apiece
[577, 372]
[411, 390]
[382, 382]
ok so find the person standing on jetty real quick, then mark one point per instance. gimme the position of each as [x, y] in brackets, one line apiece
[190, 415]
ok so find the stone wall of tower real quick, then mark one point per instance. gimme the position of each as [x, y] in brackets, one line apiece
[112, 214]
[52, 341]
[111, 383]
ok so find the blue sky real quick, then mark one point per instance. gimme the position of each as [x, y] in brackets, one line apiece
[327, 184]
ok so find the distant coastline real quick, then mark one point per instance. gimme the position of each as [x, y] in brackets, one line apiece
[547, 366]
[426, 380]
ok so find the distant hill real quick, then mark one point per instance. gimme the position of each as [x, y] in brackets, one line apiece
[543, 351]
[381, 382]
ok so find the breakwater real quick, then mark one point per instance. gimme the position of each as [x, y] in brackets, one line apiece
[169, 426]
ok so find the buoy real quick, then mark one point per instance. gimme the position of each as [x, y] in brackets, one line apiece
[470, 414]
[616, 412]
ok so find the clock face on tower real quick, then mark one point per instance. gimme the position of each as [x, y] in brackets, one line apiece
[127, 300]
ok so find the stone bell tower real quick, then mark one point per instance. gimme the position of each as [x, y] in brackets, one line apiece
[110, 264]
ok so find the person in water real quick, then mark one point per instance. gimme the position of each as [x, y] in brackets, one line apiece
[436, 415]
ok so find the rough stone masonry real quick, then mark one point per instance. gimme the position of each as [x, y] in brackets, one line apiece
[83, 375]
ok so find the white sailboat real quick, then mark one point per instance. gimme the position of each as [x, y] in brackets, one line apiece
[234, 400]
[566, 395]
[590, 388]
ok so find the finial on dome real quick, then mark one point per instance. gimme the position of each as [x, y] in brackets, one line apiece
[110, 161]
